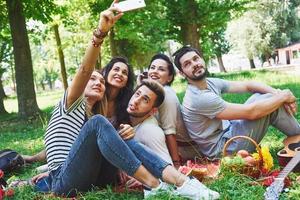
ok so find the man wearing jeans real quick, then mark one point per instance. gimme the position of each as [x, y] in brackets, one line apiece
[211, 121]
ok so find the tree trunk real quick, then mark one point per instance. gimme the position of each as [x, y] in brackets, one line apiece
[268, 56]
[27, 104]
[50, 84]
[118, 47]
[2, 93]
[221, 64]
[2, 96]
[123, 48]
[113, 43]
[190, 35]
[13, 75]
[42, 85]
[189, 31]
[252, 65]
[99, 63]
[61, 57]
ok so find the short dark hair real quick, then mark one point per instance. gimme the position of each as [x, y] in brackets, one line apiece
[171, 69]
[180, 52]
[155, 87]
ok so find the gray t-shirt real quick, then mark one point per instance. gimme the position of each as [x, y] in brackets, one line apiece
[199, 110]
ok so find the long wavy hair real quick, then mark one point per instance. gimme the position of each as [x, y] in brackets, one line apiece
[100, 107]
[125, 93]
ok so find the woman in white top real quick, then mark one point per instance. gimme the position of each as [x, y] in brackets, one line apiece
[161, 69]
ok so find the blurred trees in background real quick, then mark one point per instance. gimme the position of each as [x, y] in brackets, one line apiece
[16, 12]
[270, 24]
[59, 31]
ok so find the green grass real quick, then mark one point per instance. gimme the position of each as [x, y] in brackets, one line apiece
[27, 138]
[44, 99]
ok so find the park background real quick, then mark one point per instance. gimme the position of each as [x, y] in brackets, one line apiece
[42, 44]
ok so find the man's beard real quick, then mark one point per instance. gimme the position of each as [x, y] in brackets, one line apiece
[199, 77]
[139, 114]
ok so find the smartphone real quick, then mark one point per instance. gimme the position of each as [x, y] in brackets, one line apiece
[128, 5]
[145, 75]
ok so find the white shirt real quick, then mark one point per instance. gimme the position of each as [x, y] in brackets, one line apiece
[151, 135]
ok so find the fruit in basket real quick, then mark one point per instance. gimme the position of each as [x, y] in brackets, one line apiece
[243, 153]
[236, 161]
[249, 160]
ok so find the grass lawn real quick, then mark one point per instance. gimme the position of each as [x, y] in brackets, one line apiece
[27, 138]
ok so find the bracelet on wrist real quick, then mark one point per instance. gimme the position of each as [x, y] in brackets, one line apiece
[99, 34]
[95, 43]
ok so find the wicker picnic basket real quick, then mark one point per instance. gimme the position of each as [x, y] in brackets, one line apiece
[253, 171]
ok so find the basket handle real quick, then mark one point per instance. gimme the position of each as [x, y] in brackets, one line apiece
[260, 163]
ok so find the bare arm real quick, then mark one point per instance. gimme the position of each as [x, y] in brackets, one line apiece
[256, 109]
[39, 157]
[107, 20]
[257, 87]
[250, 86]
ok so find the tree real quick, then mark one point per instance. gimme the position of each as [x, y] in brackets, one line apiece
[2, 93]
[215, 45]
[286, 16]
[245, 36]
[5, 48]
[17, 10]
[139, 33]
[24, 71]
[61, 56]
[269, 25]
[193, 17]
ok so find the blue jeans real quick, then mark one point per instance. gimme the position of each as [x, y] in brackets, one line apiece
[95, 156]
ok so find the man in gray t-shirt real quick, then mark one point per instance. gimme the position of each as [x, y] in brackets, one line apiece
[211, 121]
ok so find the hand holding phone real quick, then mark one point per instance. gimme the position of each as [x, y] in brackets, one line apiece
[141, 77]
[128, 5]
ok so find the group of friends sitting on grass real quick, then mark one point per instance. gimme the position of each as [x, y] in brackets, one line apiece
[102, 125]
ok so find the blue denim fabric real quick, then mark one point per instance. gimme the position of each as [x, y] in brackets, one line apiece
[150, 160]
[43, 185]
[86, 164]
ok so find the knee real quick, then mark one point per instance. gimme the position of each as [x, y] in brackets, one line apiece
[258, 96]
[133, 144]
[98, 119]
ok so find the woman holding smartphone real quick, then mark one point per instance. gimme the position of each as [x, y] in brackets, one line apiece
[82, 147]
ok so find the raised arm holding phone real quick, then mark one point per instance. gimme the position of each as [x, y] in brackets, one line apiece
[84, 149]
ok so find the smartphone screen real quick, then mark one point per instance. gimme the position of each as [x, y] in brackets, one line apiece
[128, 5]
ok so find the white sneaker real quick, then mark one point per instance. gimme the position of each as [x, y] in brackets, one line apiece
[194, 189]
[160, 188]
